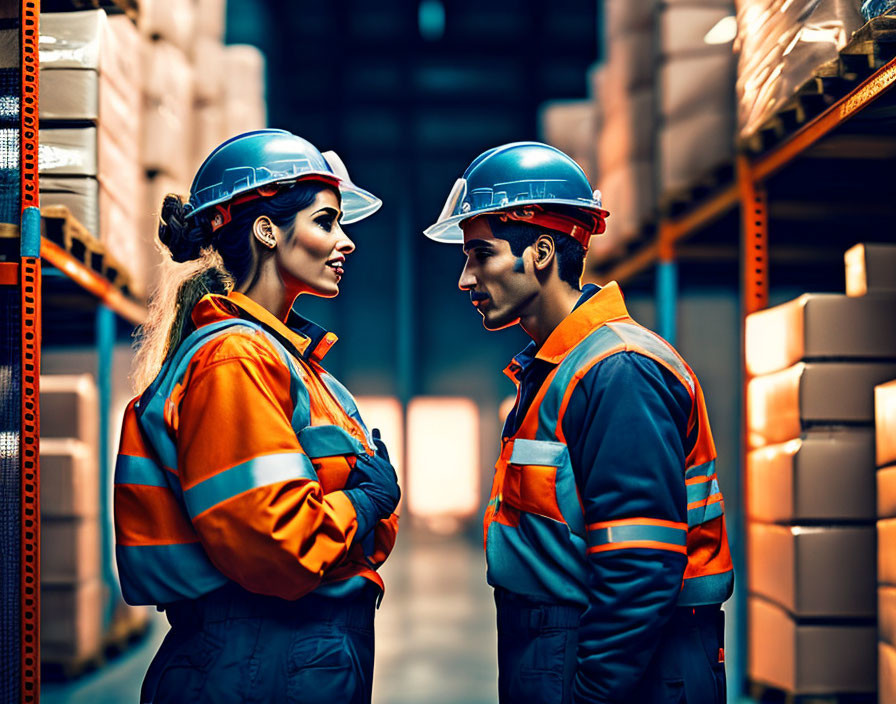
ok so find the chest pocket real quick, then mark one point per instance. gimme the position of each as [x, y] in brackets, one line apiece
[539, 480]
[332, 450]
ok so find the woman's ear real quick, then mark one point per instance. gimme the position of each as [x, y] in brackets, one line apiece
[264, 231]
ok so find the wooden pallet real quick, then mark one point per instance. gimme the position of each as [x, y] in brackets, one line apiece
[113, 7]
[61, 227]
[675, 203]
[766, 694]
[870, 48]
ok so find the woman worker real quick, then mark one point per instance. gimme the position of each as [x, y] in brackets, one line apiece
[251, 504]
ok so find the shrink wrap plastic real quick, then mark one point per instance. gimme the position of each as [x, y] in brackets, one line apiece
[570, 125]
[782, 43]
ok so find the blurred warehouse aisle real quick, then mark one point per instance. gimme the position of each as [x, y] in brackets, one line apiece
[435, 634]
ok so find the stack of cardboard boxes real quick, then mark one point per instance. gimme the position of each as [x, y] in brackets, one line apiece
[697, 72]
[625, 147]
[885, 428]
[90, 124]
[814, 363]
[73, 594]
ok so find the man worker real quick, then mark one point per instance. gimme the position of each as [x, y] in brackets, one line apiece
[605, 532]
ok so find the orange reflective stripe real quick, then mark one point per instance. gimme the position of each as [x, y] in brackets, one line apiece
[650, 544]
[638, 522]
[715, 498]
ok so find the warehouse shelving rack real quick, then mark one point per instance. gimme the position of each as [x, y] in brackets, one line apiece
[831, 172]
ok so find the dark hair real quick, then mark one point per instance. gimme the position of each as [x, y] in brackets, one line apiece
[224, 257]
[570, 252]
[186, 239]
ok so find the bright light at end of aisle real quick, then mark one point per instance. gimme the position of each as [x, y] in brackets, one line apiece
[386, 414]
[443, 457]
[724, 31]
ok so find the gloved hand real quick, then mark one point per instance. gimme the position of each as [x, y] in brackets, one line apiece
[374, 488]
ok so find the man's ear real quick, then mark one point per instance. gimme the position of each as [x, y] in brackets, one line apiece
[263, 231]
[544, 251]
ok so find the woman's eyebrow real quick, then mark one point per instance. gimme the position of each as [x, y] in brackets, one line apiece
[326, 209]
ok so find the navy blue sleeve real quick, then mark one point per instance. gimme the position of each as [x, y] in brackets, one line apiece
[626, 425]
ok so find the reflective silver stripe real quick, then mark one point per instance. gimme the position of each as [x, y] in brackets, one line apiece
[702, 491]
[655, 345]
[327, 441]
[257, 472]
[142, 471]
[702, 514]
[707, 469]
[632, 532]
[705, 590]
[538, 452]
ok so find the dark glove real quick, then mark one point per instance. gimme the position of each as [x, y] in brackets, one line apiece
[374, 488]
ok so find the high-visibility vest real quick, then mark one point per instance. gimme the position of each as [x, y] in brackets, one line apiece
[536, 537]
[158, 550]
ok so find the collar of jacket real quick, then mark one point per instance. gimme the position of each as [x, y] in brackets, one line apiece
[596, 306]
[308, 339]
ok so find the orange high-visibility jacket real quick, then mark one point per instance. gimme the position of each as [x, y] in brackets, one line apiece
[605, 495]
[232, 465]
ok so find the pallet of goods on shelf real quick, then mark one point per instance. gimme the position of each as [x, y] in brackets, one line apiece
[813, 86]
[131, 8]
[885, 433]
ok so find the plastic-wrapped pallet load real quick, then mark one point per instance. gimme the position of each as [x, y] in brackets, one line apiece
[697, 93]
[782, 43]
[173, 21]
[90, 72]
[870, 268]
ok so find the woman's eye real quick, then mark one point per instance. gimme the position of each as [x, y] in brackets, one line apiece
[326, 223]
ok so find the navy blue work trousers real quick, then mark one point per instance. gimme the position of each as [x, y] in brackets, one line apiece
[235, 646]
[537, 656]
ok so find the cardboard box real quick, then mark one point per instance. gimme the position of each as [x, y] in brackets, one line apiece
[627, 134]
[82, 95]
[886, 551]
[887, 668]
[69, 407]
[803, 569]
[210, 18]
[691, 147]
[628, 193]
[570, 125]
[885, 421]
[92, 40]
[69, 481]
[870, 268]
[694, 85]
[886, 614]
[886, 492]
[820, 326]
[824, 393]
[822, 476]
[69, 549]
[171, 20]
[209, 65]
[71, 619]
[624, 16]
[630, 66]
[683, 28]
[88, 151]
[809, 659]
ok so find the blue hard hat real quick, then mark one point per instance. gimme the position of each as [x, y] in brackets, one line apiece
[251, 161]
[511, 176]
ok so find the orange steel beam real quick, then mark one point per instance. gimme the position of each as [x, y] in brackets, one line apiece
[754, 238]
[635, 264]
[841, 111]
[92, 282]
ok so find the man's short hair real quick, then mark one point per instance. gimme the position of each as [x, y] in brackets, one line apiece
[570, 252]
